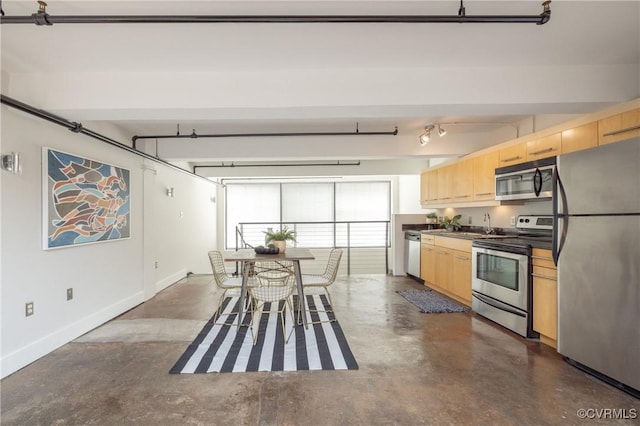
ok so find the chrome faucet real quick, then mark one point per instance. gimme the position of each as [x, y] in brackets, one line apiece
[487, 218]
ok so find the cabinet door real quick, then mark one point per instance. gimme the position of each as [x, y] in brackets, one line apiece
[444, 267]
[445, 184]
[484, 177]
[461, 275]
[545, 307]
[547, 146]
[579, 138]
[463, 181]
[619, 127]
[428, 263]
[433, 186]
[424, 187]
[513, 155]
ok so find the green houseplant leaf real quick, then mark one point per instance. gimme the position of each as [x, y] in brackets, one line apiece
[452, 224]
[284, 234]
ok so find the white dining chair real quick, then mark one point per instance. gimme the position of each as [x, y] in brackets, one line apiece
[275, 284]
[324, 280]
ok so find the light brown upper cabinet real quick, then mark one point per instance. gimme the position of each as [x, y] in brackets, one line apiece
[547, 146]
[484, 176]
[578, 138]
[619, 127]
[433, 186]
[463, 181]
[445, 184]
[424, 187]
[515, 154]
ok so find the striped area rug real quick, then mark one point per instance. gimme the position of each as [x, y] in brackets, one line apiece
[224, 348]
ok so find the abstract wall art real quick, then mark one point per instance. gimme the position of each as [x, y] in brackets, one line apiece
[86, 201]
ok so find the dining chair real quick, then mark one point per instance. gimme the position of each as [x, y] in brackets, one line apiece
[324, 280]
[223, 280]
[275, 284]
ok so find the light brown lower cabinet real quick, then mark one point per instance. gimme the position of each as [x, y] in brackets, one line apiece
[461, 280]
[545, 297]
[447, 267]
[427, 262]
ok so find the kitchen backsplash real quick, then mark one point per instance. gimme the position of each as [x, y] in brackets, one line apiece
[500, 215]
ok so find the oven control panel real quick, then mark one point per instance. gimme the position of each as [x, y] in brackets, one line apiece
[538, 222]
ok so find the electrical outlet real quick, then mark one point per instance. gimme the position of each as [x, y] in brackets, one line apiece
[513, 221]
[28, 309]
[470, 220]
[156, 264]
[69, 293]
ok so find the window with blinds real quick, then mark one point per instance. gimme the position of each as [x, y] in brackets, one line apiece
[314, 209]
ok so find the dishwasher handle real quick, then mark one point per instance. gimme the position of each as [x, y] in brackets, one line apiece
[411, 236]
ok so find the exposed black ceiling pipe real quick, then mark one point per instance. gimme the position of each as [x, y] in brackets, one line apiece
[194, 135]
[232, 164]
[43, 18]
[79, 128]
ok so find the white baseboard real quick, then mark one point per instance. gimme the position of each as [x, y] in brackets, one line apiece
[24, 356]
[171, 279]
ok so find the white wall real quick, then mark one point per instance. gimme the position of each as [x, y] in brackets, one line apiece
[107, 278]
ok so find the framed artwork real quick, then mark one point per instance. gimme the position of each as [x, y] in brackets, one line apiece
[85, 201]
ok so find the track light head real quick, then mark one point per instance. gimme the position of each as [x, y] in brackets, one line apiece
[441, 131]
[424, 138]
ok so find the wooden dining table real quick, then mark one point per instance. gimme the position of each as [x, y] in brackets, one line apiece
[248, 257]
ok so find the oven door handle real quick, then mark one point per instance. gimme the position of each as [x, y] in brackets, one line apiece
[497, 304]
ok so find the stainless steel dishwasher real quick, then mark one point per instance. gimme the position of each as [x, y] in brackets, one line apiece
[412, 253]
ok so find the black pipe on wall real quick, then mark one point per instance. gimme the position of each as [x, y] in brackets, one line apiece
[79, 128]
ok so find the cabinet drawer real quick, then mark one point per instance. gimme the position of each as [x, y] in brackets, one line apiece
[427, 239]
[542, 257]
[454, 243]
[545, 273]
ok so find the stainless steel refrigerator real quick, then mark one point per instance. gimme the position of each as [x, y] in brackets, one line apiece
[597, 250]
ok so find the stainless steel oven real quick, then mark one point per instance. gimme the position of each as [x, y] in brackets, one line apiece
[502, 274]
[501, 284]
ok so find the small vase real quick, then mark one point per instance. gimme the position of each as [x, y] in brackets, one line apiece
[449, 228]
[282, 245]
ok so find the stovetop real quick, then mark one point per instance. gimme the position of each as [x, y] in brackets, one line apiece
[534, 231]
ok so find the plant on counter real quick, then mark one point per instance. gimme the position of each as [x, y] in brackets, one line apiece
[451, 224]
[432, 218]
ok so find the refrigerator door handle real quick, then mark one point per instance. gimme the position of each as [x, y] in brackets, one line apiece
[559, 195]
[537, 182]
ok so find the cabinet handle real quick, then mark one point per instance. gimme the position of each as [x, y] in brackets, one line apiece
[542, 151]
[443, 252]
[462, 258]
[545, 277]
[506, 160]
[617, 132]
[463, 196]
[485, 193]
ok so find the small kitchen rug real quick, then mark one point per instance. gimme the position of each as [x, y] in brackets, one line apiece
[431, 302]
[222, 347]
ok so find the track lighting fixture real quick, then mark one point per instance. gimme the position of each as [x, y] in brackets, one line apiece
[424, 138]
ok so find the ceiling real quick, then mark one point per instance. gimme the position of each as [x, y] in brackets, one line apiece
[146, 79]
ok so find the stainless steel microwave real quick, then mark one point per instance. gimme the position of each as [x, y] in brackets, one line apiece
[526, 181]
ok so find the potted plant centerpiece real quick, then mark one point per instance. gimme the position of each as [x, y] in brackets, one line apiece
[280, 238]
[451, 224]
[432, 218]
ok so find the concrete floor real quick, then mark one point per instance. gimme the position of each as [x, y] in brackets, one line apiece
[414, 369]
